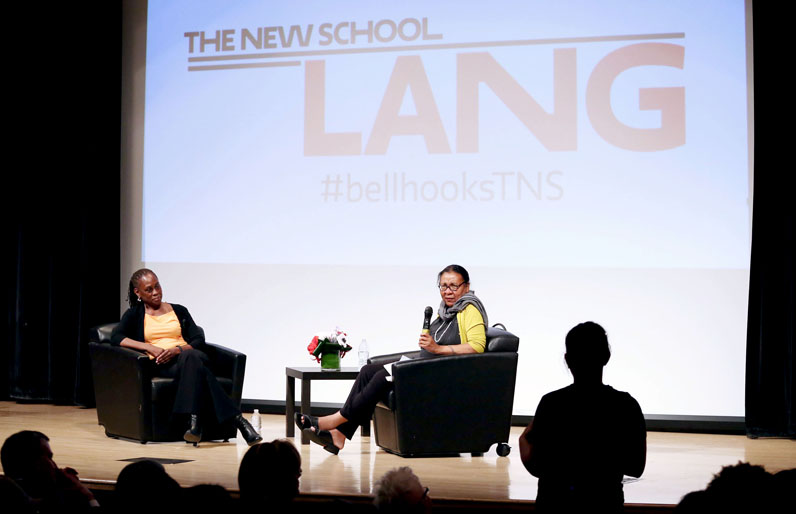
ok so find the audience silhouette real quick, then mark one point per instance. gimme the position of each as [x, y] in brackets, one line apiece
[399, 490]
[269, 474]
[144, 486]
[586, 436]
[743, 488]
[28, 461]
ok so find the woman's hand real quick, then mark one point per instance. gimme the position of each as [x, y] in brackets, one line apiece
[428, 344]
[166, 355]
[153, 350]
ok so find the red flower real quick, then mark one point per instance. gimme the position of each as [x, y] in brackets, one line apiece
[311, 348]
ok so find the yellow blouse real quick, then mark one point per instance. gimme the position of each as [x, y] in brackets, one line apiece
[163, 331]
[471, 328]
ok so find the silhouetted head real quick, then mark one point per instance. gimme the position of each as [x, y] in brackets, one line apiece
[587, 348]
[741, 488]
[269, 472]
[145, 486]
[28, 460]
[399, 490]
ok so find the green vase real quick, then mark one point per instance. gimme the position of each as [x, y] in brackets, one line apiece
[330, 361]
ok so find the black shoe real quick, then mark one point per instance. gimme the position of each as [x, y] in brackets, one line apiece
[194, 433]
[247, 430]
[306, 421]
[323, 438]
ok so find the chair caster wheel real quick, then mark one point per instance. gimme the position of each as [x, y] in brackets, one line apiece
[503, 449]
[195, 445]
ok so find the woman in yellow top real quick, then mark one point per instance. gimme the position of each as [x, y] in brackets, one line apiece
[167, 332]
[459, 328]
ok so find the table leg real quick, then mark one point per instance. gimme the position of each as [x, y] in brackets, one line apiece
[290, 403]
[306, 405]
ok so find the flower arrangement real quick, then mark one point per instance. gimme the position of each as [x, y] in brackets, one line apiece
[328, 349]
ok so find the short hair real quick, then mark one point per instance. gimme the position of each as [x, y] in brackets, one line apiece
[269, 471]
[162, 489]
[393, 489]
[19, 450]
[587, 343]
[742, 486]
[455, 268]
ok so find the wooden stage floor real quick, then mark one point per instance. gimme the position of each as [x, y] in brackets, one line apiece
[676, 463]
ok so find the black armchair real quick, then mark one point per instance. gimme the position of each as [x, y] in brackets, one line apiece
[450, 404]
[132, 403]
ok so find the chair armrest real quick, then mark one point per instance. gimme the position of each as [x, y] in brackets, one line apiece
[228, 363]
[392, 357]
[122, 384]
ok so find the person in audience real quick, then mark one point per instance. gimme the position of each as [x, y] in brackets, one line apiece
[28, 460]
[399, 490]
[584, 437]
[145, 487]
[460, 328]
[743, 487]
[269, 475]
[167, 332]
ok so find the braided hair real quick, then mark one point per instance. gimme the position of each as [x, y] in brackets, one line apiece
[132, 298]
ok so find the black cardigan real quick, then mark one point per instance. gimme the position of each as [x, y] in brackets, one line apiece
[132, 326]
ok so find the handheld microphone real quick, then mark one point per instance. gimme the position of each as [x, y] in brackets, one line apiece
[427, 319]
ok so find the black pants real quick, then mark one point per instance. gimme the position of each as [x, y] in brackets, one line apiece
[370, 387]
[198, 390]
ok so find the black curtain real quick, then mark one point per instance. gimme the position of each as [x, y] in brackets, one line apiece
[769, 351]
[62, 230]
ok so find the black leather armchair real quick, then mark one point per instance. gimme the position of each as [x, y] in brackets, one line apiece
[451, 404]
[132, 403]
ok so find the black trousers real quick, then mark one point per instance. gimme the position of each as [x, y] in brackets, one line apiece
[370, 387]
[198, 390]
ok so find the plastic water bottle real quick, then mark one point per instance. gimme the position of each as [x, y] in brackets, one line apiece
[256, 421]
[363, 353]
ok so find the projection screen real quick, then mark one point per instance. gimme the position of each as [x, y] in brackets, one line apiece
[307, 165]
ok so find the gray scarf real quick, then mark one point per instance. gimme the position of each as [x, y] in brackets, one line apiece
[448, 313]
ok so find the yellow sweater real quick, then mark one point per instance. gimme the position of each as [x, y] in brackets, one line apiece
[471, 328]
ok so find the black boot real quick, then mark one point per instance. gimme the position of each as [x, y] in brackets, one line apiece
[247, 430]
[194, 433]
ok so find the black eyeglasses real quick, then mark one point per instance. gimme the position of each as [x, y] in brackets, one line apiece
[452, 287]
